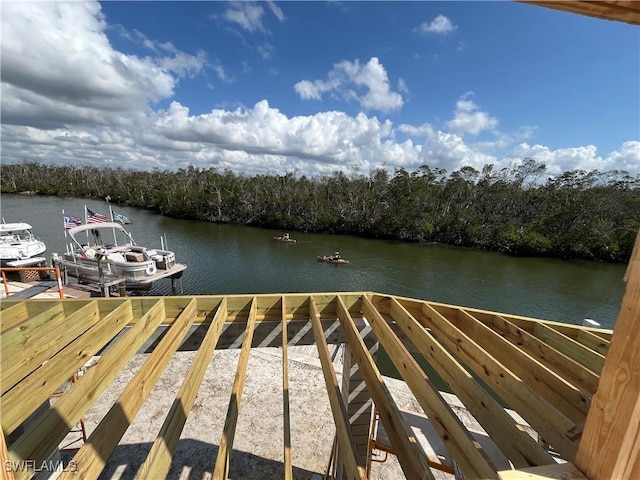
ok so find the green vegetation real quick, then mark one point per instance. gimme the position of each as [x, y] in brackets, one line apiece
[593, 215]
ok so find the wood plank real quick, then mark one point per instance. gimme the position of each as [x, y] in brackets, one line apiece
[545, 419]
[467, 452]
[221, 469]
[288, 462]
[13, 315]
[567, 398]
[158, 460]
[593, 341]
[22, 400]
[39, 440]
[512, 439]
[344, 435]
[526, 323]
[610, 443]
[93, 455]
[560, 471]
[25, 348]
[581, 354]
[11, 339]
[412, 458]
[567, 367]
[6, 472]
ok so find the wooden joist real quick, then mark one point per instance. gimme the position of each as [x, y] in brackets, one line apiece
[159, 458]
[13, 315]
[568, 368]
[546, 372]
[40, 439]
[521, 449]
[344, 434]
[221, 469]
[411, 456]
[23, 399]
[554, 427]
[464, 448]
[91, 458]
[571, 348]
[17, 358]
[286, 416]
[564, 396]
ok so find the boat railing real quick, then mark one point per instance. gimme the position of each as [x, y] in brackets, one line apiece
[3, 270]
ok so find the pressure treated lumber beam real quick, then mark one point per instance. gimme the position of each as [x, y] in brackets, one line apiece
[410, 455]
[587, 357]
[593, 341]
[627, 11]
[93, 455]
[158, 460]
[34, 390]
[288, 464]
[221, 469]
[559, 471]
[6, 472]
[567, 398]
[610, 444]
[16, 343]
[12, 316]
[554, 427]
[343, 430]
[39, 440]
[511, 438]
[568, 368]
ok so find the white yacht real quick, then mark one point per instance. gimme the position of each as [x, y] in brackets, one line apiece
[18, 246]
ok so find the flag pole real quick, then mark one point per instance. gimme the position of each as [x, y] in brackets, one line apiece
[64, 227]
[86, 221]
[115, 239]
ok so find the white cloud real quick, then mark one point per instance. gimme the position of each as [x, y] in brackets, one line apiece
[370, 77]
[449, 151]
[424, 130]
[250, 16]
[439, 25]
[276, 10]
[626, 158]
[266, 50]
[468, 118]
[58, 67]
[68, 97]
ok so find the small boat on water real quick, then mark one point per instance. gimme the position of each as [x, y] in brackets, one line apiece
[90, 251]
[332, 259]
[18, 245]
[285, 239]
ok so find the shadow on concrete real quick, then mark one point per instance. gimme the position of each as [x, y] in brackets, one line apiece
[194, 460]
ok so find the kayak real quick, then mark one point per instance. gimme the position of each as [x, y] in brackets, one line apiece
[286, 240]
[330, 259]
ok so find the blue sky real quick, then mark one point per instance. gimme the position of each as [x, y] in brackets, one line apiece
[314, 87]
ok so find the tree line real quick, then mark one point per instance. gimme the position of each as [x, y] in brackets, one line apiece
[579, 214]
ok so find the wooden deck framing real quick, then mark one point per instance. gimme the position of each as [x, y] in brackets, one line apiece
[547, 372]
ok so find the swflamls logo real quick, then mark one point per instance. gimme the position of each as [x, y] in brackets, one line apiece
[36, 467]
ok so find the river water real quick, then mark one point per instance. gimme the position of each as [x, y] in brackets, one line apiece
[229, 259]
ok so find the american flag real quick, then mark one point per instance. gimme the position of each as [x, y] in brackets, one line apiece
[93, 217]
[70, 222]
